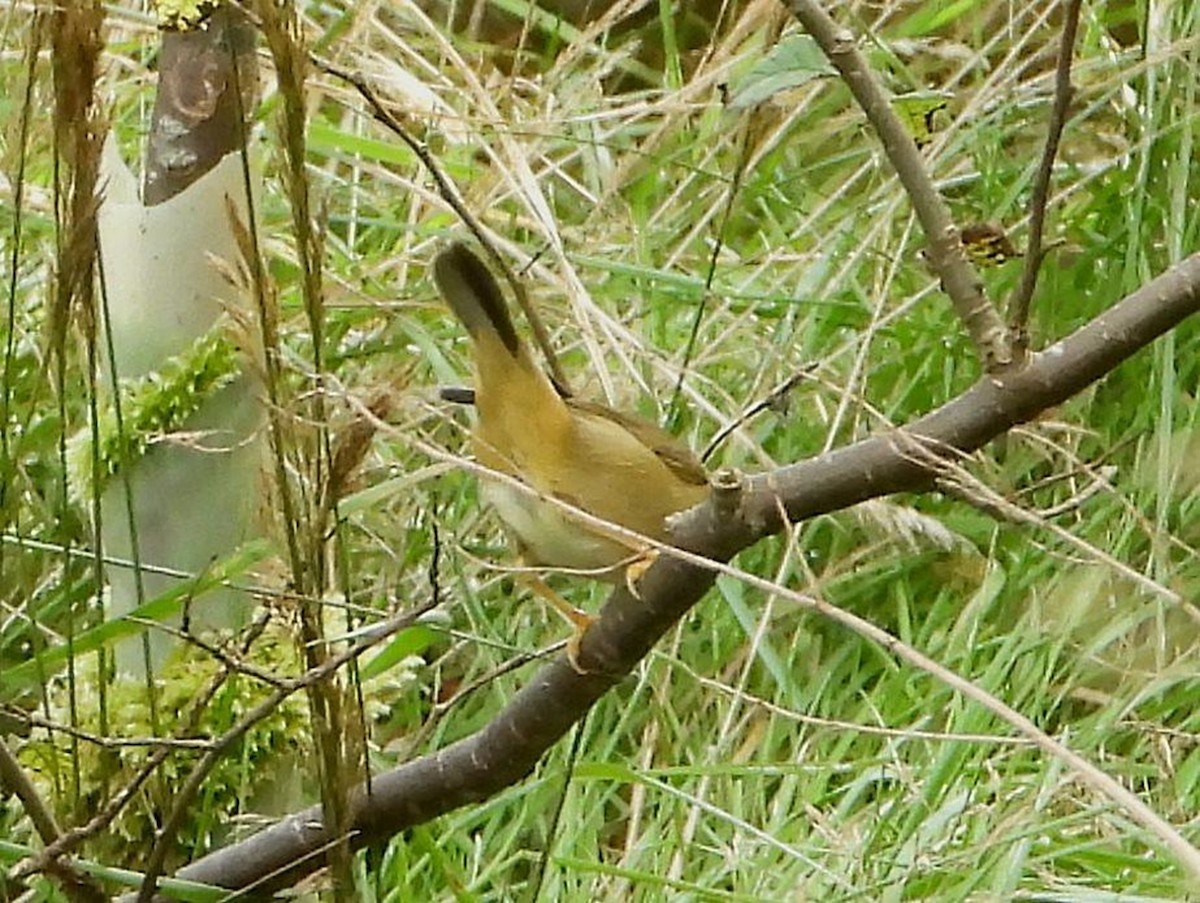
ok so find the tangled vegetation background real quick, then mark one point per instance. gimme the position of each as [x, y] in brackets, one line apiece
[709, 229]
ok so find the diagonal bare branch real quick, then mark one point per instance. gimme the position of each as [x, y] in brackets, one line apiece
[509, 747]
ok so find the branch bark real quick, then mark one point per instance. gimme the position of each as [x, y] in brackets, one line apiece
[508, 748]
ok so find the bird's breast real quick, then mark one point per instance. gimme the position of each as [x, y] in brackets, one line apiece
[547, 534]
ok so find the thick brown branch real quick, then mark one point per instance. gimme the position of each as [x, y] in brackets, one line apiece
[511, 745]
[993, 405]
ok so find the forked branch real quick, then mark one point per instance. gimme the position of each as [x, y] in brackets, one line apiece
[959, 279]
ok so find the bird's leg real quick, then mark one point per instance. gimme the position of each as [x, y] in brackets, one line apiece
[637, 568]
[579, 620]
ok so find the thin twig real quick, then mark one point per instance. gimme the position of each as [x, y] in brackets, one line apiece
[441, 709]
[14, 779]
[33, 719]
[1019, 310]
[735, 185]
[772, 398]
[233, 662]
[959, 279]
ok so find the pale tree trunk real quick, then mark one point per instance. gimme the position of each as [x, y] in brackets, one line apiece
[193, 497]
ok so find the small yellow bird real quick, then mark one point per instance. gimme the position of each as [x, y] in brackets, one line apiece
[617, 467]
[987, 244]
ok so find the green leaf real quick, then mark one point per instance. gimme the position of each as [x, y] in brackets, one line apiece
[412, 641]
[794, 61]
[923, 113]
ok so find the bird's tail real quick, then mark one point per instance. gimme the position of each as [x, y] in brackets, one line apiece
[472, 293]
